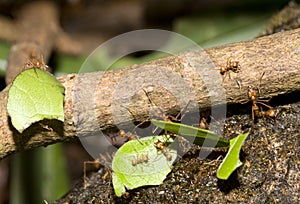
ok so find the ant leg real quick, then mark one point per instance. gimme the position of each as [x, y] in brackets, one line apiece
[252, 114]
[244, 101]
[270, 107]
[84, 174]
[129, 111]
[148, 97]
[84, 171]
[229, 75]
[228, 61]
[258, 87]
[183, 111]
[36, 72]
[224, 77]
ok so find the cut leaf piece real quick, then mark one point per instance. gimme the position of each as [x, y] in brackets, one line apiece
[34, 95]
[139, 163]
[197, 135]
[231, 162]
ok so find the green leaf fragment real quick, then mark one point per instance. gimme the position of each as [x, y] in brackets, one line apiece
[35, 95]
[231, 162]
[197, 135]
[132, 171]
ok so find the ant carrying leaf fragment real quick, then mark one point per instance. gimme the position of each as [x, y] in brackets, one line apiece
[36, 61]
[139, 163]
[149, 160]
[31, 99]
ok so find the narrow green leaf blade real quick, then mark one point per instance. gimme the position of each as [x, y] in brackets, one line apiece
[150, 172]
[197, 135]
[231, 162]
[35, 95]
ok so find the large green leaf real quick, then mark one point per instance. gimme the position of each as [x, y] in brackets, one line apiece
[197, 135]
[151, 171]
[35, 95]
[231, 162]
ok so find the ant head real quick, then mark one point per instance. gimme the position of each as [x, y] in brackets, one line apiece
[134, 162]
[122, 133]
[222, 70]
[235, 64]
[36, 61]
[159, 144]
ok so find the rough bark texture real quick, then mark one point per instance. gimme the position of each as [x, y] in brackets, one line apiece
[90, 101]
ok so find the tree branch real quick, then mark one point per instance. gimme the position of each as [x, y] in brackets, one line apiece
[91, 101]
[13, 30]
[39, 26]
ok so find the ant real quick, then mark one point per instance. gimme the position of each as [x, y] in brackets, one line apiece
[161, 146]
[102, 161]
[203, 123]
[232, 65]
[256, 112]
[36, 61]
[269, 113]
[139, 160]
[127, 135]
[96, 164]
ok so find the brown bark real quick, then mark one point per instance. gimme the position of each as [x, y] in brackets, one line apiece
[276, 55]
[39, 27]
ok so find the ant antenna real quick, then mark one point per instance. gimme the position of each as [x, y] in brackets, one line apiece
[129, 111]
[258, 86]
[148, 97]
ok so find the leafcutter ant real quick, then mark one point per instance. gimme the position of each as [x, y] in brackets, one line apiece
[36, 61]
[161, 146]
[203, 123]
[96, 164]
[253, 97]
[127, 135]
[102, 161]
[141, 159]
[231, 65]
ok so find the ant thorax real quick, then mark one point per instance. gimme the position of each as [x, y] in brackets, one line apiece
[252, 93]
[233, 65]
